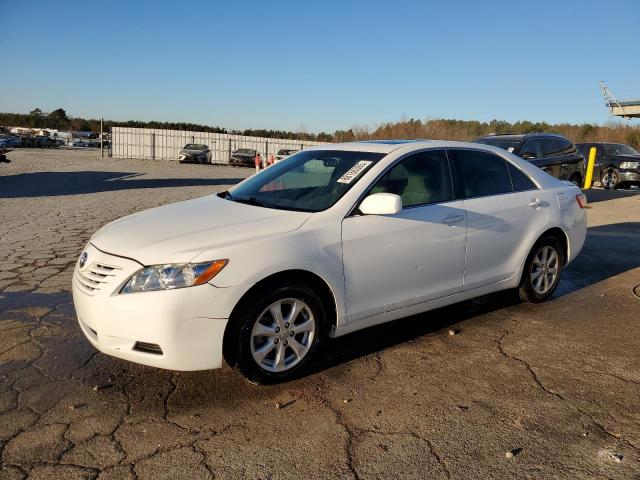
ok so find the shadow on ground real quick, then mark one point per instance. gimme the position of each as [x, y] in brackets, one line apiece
[595, 195]
[51, 184]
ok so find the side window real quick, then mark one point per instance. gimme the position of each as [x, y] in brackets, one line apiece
[481, 173]
[531, 150]
[550, 147]
[419, 179]
[566, 146]
[519, 179]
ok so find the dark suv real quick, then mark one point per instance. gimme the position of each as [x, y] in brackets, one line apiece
[243, 157]
[554, 154]
[617, 164]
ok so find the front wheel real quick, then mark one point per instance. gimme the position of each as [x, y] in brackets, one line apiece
[542, 270]
[610, 179]
[279, 332]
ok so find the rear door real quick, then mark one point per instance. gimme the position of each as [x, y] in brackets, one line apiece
[552, 157]
[505, 213]
[416, 255]
[572, 164]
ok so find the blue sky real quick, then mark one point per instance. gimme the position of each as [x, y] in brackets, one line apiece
[319, 65]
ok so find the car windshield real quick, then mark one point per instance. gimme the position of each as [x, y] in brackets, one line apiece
[308, 181]
[246, 151]
[504, 143]
[194, 146]
[619, 149]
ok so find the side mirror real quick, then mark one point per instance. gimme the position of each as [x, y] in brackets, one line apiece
[381, 204]
[528, 155]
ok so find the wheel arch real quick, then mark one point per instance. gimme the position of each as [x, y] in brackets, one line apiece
[556, 232]
[319, 284]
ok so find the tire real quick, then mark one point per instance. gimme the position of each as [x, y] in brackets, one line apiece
[254, 317]
[532, 289]
[576, 179]
[610, 179]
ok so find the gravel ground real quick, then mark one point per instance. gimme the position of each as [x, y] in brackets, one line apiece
[486, 389]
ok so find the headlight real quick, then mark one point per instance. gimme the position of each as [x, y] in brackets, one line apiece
[170, 276]
[630, 165]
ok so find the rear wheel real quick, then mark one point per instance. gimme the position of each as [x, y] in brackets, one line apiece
[610, 179]
[542, 270]
[576, 179]
[278, 333]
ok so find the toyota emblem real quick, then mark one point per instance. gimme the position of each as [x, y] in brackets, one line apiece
[83, 259]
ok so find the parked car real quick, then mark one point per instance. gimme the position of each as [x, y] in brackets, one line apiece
[82, 143]
[10, 141]
[284, 153]
[243, 157]
[617, 165]
[195, 153]
[554, 154]
[261, 274]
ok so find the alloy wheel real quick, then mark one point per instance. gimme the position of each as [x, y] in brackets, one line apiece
[609, 179]
[282, 335]
[544, 270]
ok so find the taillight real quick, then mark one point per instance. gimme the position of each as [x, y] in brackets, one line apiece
[581, 198]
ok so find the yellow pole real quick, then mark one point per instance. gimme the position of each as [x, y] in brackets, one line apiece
[590, 164]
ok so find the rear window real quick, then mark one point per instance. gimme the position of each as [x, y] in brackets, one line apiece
[195, 146]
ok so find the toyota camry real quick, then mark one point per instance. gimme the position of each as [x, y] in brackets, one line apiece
[331, 240]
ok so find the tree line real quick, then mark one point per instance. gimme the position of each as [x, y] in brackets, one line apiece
[469, 130]
[435, 129]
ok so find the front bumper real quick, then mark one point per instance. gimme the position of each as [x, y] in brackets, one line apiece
[630, 176]
[187, 324]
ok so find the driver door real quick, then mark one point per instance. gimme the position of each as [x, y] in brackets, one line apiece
[416, 255]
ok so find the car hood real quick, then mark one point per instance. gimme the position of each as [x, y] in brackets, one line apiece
[177, 232]
[625, 158]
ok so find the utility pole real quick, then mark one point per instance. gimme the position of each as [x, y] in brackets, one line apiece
[102, 138]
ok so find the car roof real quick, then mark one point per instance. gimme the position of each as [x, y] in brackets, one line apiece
[520, 136]
[388, 146]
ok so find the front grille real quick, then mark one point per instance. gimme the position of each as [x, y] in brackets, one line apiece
[147, 348]
[96, 277]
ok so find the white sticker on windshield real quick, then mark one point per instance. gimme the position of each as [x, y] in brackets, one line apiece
[354, 171]
[510, 149]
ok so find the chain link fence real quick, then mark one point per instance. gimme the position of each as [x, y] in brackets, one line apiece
[157, 144]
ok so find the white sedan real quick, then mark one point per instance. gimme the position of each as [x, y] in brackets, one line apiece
[330, 240]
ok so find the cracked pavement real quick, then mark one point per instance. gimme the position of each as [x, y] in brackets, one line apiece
[522, 391]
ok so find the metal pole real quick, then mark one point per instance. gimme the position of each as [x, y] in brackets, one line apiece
[590, 164]
[101, 137]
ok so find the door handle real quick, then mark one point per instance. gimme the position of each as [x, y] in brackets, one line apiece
[453, 219]
[536, 203]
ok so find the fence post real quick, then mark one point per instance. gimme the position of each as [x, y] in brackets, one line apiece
[266, 149]
[302, 146]
[229, 159]
[101, 138]
[153, 146]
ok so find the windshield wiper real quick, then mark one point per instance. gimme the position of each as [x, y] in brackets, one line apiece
[249, 201]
